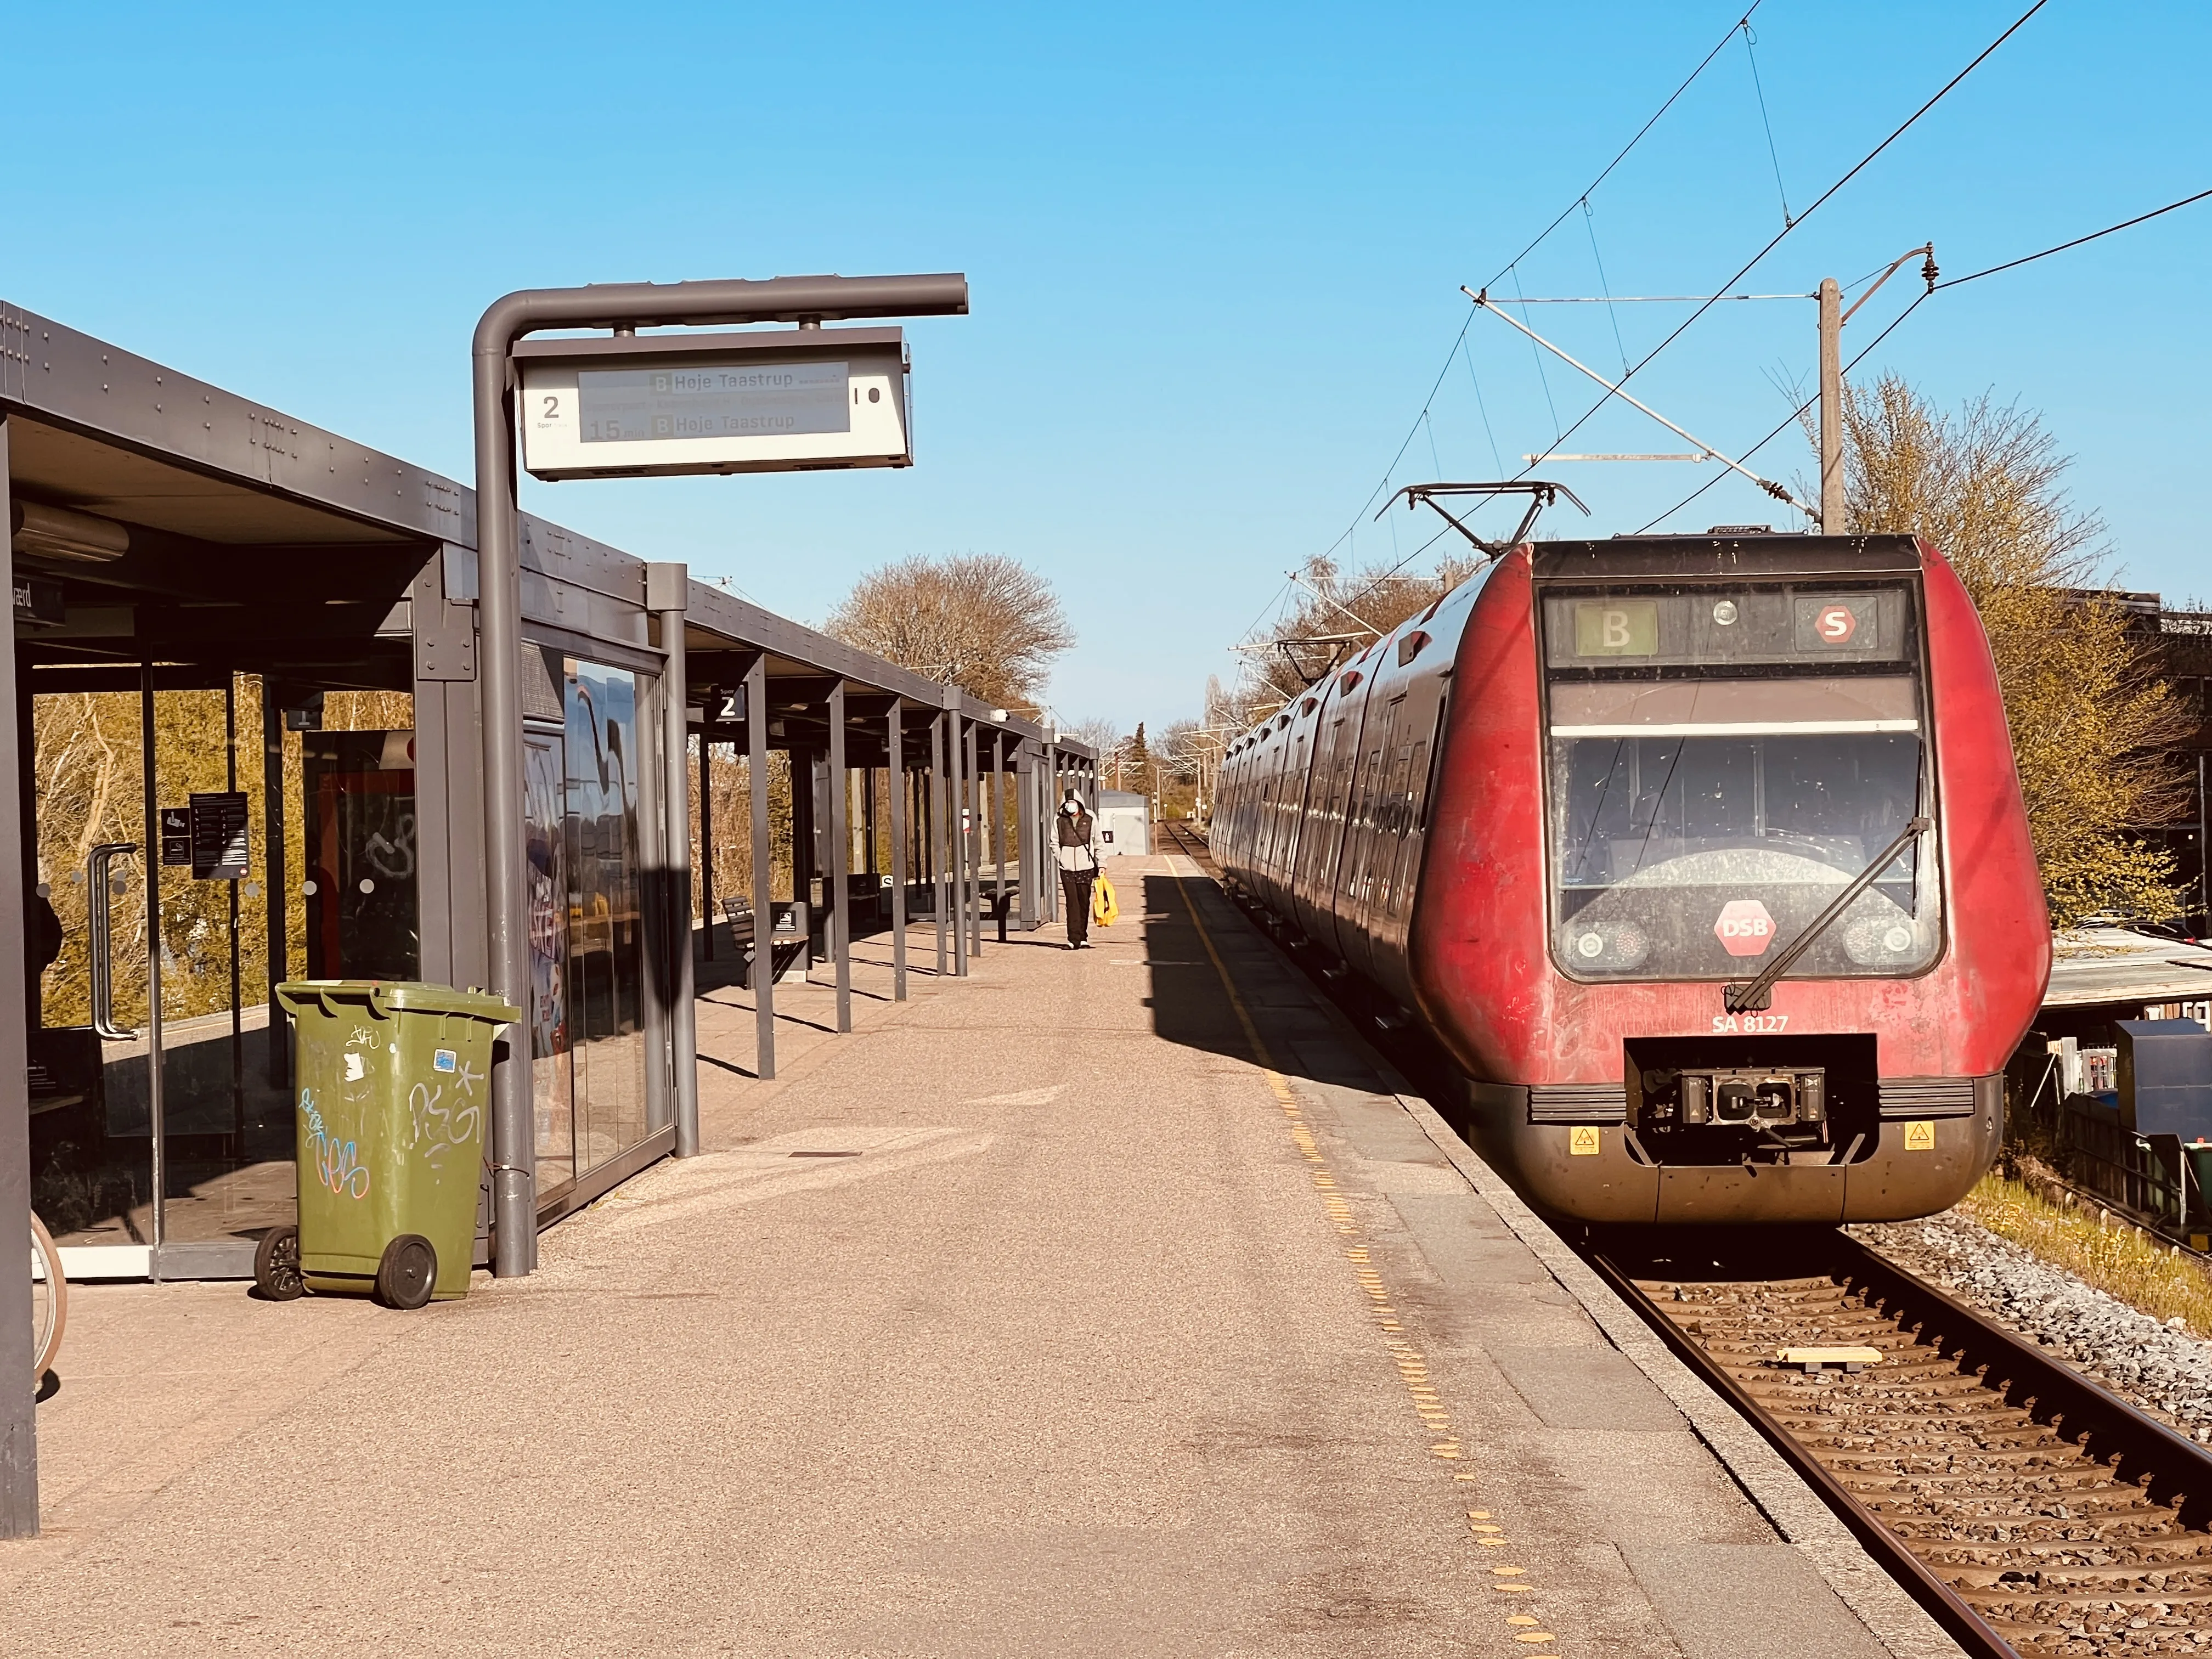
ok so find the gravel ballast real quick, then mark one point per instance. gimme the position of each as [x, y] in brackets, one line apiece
[2158, 1367]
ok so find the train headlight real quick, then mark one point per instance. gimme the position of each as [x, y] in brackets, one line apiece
[1882, 940]
[1602, 945]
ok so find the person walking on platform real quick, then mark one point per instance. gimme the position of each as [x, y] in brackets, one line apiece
[1080, 850]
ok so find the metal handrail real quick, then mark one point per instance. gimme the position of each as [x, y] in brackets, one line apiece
[100, 921]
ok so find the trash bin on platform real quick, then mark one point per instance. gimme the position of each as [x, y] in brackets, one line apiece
[395, 1090]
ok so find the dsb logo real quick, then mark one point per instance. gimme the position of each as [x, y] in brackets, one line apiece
[1744, 927]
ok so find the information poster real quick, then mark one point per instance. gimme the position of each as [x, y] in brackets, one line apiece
[219, 838]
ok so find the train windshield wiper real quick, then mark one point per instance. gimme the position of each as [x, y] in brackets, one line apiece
[1743, 999]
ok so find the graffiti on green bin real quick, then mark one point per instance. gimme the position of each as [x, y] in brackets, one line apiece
[337, 1163]
[438, 1126]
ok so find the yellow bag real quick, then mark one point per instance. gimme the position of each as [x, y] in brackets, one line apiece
[1104, 909]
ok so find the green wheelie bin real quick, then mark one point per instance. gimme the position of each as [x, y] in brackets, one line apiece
[395, 1089]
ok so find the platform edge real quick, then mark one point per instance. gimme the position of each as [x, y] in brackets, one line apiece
[1877, 1600]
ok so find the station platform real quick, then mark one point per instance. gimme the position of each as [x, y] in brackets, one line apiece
[1115, 1302]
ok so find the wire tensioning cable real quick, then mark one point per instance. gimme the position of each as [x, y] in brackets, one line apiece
[1858, 168]
[1611, 311]
[1751, 40]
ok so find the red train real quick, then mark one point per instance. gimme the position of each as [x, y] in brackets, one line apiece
[1703, 857]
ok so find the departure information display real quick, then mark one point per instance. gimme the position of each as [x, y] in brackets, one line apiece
[643, 406]
[736, 400]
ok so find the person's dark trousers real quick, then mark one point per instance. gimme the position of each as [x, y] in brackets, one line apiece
[1075, 889]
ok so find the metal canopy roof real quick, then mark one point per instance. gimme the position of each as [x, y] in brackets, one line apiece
[204, 473]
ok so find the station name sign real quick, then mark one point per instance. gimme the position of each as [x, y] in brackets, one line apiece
[780, 400]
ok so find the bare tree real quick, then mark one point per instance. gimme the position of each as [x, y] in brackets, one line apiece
[980, 621]
[1338, 613]
[1100, 733]
[2092, 723]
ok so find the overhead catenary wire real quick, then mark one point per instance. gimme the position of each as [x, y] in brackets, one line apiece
[1856, 167]
[1794, 415]
[1798, 413]
[1604, 172]
[1776, 490]
[1481, 407]
[2030, 259]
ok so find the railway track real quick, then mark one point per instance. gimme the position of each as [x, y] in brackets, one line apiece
[1182, 838]
[2031, 1511]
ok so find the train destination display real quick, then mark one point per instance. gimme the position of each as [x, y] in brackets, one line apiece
[631, 407]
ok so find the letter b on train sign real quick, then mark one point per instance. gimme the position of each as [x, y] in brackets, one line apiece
[1744, 928]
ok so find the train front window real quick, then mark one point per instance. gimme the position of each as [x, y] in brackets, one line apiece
[1723, 763]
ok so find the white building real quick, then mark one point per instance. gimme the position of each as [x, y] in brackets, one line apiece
[1124, 823]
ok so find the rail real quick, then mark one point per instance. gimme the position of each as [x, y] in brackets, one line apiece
[1961, 1420]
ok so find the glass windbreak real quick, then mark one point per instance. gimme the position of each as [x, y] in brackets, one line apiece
[581, 791]
[1703, 815]
[606, 942]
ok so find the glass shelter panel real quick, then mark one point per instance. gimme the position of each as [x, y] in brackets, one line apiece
[544, 778]
[586, 924]
[605, 921]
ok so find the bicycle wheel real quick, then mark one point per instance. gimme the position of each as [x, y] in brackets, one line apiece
[49, 1301]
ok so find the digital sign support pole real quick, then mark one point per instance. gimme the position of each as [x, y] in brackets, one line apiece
[498, 605]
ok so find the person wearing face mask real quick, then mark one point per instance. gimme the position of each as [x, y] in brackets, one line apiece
[1080, 850]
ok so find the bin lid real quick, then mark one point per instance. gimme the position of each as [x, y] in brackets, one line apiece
[385, 997]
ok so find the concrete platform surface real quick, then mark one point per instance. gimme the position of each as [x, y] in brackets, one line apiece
[1075, 1308]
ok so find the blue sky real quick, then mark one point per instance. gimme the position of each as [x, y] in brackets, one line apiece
[1215, 253]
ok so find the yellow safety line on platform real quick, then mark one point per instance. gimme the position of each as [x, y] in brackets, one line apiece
[1412, 1365]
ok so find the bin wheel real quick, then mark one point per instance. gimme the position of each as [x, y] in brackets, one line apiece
[408, 1273]
[276, 1265]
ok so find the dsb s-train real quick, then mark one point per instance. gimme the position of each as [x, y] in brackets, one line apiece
[1703, 857]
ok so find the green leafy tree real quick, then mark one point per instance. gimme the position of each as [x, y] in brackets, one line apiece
[2093, 724]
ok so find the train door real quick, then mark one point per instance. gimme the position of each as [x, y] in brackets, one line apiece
[1317, 840]
[1294, 825]
[1390, 826]
[1366, 836]
[1405, 768]
[1421, 780]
